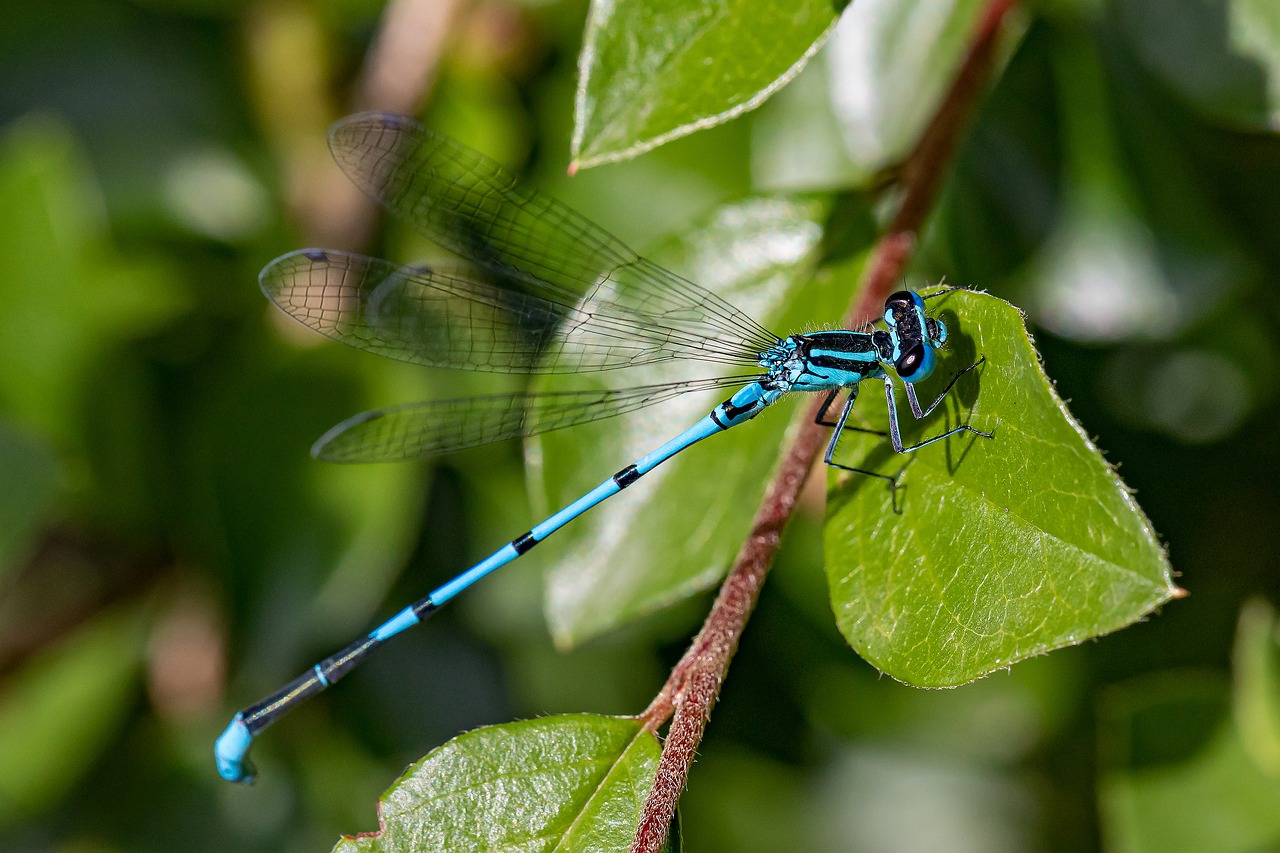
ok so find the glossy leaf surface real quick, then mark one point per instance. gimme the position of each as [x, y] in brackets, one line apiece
[654, 71]
[568, 784]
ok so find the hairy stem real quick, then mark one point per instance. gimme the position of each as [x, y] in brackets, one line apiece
[691, 690]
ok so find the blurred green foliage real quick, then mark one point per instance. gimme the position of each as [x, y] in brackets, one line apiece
[171, 553]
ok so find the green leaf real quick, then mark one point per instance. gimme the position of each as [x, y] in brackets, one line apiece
[674, 531]
[571, 784]
[1005, 547]
[655, 70]
[1221, 57]
[59, 710]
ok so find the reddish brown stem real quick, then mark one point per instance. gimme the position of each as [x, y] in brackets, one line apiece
[691, 690]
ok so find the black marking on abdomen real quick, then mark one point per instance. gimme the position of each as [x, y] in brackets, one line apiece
[424, 609]
[626, 476]
[524, 542]
[846, 342]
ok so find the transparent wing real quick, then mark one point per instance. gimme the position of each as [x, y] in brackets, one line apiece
[473, 206]
[443, 426]
[459, 319]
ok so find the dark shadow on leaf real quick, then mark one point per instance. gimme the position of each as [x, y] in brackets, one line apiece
[960, 352]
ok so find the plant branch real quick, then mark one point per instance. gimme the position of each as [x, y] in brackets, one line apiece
[691, 690]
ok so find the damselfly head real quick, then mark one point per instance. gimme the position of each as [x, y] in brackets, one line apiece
[902, 305]
[916, 362]
[915, 335]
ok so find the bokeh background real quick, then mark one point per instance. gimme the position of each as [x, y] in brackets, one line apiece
[169, 552]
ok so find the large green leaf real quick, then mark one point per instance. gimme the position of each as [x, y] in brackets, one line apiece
[655, 70]
[673, 532]
[1221, 56]
[570, 784]
[1003, 548]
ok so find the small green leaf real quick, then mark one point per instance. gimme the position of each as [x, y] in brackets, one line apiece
[1005, 547]
[673, 532]
[570, 784]
[655, 70]
[1222, 57]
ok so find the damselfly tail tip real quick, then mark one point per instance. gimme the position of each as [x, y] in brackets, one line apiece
[231, 753]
